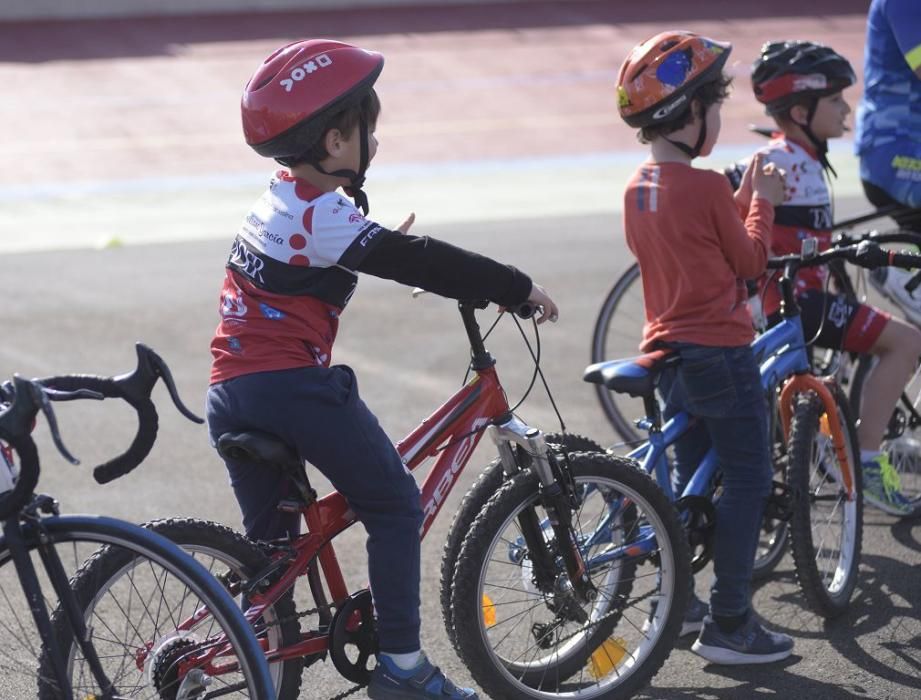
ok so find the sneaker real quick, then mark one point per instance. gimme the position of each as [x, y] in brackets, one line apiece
[749, 644]
[890, 282]
[390, 682]
[693, 617]
[883, 488]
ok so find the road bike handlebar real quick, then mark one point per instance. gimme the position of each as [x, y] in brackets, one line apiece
[27, 397]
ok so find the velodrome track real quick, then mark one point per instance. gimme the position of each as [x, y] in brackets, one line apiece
[475, 140]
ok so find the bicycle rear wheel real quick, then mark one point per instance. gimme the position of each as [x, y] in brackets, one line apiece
[617, 334]
[524, 639]
[826, 528]
[134, 629]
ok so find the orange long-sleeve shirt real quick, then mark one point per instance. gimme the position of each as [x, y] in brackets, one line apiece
[694, 250]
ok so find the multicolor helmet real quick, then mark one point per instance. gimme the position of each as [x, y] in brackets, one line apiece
[289, 100]
[787, 71]
[661, 75]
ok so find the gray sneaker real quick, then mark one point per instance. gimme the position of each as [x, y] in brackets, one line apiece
[749, 644]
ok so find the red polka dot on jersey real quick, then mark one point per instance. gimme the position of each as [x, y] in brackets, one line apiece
[297, 241]
[301, 260]
[307, 220]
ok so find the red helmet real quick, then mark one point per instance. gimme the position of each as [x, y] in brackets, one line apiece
[290, 98]
[661, 75]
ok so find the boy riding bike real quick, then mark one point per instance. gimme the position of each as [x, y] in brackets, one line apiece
[684, 227]
[292, 269]
[801, 83]
[889, 129]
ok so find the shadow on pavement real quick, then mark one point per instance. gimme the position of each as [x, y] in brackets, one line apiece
[39, 41]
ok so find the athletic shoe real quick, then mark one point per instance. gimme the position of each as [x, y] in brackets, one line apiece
[425, 681]
[882, 486]
[749, 644]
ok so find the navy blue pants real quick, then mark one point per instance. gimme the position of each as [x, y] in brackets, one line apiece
[317, 410]
[722, 387]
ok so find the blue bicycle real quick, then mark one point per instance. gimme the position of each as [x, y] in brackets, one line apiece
[820, 497]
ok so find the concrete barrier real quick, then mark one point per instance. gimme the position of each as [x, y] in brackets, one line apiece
[20, 10]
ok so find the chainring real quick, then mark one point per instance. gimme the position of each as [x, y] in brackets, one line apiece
[353, 638]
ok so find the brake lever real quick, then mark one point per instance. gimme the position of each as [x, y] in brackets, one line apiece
[138, 384]
[44, 403]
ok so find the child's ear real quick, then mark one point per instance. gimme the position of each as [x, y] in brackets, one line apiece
[799, 115]
[333, 142]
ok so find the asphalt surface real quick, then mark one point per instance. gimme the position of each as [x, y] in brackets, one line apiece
[81, 311]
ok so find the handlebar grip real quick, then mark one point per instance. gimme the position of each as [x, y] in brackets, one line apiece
[148, 421]
[907, 261]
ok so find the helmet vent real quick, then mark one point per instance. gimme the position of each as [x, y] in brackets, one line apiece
[666, 45]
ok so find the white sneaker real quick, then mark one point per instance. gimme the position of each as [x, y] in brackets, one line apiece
[890, 282]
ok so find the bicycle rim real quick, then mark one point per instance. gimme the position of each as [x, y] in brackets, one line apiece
[134, 623]
[617, 335]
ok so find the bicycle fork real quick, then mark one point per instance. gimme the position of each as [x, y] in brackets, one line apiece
[800, 383]
[558, 498]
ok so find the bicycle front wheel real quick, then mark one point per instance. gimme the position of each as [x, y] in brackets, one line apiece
[617, 334]
[136, 628]
[488, 482]
[524, 637]
[826, 527]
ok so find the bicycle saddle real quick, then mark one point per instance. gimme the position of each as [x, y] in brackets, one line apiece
[257, 446]
[635, 376]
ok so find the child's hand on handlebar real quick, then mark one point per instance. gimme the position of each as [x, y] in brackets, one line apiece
[767, 180]
[548, 309]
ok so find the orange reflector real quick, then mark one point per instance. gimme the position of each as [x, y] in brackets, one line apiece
[824, 427]
[606, 657]
[489, 611]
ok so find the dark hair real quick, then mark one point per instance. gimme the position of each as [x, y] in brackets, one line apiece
[345, 122]
[707, 94]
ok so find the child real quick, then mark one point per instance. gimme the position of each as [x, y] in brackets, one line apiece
[801, 84]
[693, 248]
[292, 269]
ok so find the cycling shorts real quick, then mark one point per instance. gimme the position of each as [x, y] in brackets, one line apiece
[834, 321]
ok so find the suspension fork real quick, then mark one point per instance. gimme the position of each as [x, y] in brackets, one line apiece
[557, 496]
[800, 383]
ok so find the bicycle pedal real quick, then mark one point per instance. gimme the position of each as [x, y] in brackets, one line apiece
[290, 505]
[779, 505]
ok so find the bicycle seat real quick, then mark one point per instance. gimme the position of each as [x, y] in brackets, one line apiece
[635, 376]
[260, 447]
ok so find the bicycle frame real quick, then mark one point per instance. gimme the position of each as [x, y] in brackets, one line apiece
[453, 430]
[783, 358]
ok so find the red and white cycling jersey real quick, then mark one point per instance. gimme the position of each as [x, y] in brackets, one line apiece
[290, 274]
[804, 213]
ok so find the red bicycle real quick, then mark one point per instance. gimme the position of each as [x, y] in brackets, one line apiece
[572, 580]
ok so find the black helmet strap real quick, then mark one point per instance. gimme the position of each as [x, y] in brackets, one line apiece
[693, 151]
[356, 179]
[821, 146]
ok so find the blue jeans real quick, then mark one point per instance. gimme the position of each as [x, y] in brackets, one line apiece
[317, 411]
[722, 388]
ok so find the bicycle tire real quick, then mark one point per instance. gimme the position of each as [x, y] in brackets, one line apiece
[617, 334]
[227, 555]
[827, 581]
[487, 483]
[169, 564]
[902, 441]
[629, 654]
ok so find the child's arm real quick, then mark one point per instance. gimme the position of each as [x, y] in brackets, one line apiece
[444, 269]
[747, 245]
